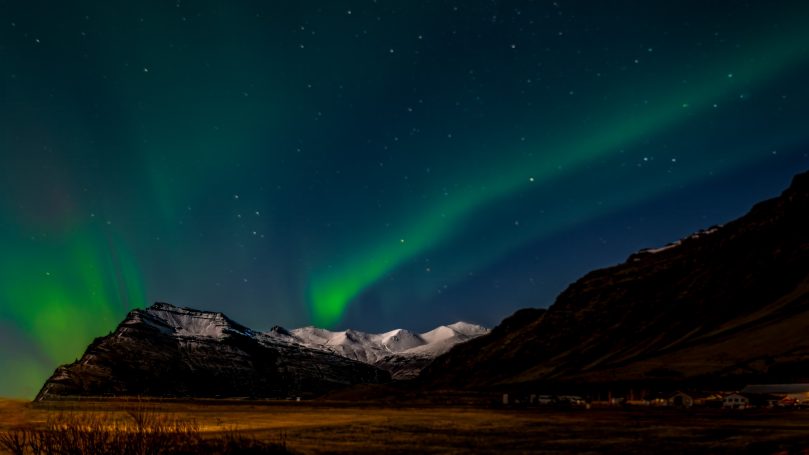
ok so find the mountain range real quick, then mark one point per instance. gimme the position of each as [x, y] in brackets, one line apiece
[723, 307]
[165, 350]
[400, 352]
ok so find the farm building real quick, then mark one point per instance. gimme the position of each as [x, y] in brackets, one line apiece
[736, 401]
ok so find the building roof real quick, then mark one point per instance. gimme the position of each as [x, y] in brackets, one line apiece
[776, 388]
[743, 395]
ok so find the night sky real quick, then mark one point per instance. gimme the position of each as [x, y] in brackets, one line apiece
[369, 164]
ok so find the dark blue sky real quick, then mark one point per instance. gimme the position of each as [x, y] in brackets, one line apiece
[369, 164]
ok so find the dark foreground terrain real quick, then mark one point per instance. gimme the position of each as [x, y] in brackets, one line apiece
[321, 427]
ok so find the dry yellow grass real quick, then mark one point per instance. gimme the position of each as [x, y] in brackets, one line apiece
[314, 428]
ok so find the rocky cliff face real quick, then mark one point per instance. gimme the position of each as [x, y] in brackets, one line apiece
[726, 305]
[170, 351]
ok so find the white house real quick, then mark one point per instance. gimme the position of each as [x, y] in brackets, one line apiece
[736, 401]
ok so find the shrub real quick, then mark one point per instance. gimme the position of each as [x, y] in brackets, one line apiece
[140, 432]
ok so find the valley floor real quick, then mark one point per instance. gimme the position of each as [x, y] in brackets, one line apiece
[316, 427]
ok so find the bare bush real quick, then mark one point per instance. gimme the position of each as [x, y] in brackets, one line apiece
[142, 431]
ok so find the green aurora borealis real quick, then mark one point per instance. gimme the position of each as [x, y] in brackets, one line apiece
[330, 296]
[369, 164]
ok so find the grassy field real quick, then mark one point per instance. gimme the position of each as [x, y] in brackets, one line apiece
[318, 427]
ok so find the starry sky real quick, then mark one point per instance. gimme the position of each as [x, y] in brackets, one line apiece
[371, 163]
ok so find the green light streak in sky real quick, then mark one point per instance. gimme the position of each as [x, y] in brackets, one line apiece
[333, 289]
[76, 285]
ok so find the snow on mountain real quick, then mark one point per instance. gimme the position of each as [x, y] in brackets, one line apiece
[401, 347]
[401, 340]
[185, 322]
[165, 350]
[646, 251]
[401, 352]
[443, 338]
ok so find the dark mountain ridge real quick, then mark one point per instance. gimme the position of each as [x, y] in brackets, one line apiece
[724, 306]
[177, 352]
[164, 350]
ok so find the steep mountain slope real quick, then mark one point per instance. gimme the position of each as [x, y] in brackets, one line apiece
[723, 306]
[170, 351]
[401, 352]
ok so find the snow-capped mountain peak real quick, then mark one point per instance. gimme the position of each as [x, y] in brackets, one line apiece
[400, 340]
[468, 329]
[186, 322]
[400, 351]
[399, 345]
